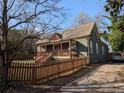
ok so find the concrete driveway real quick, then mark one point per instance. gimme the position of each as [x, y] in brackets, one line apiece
[108, 78]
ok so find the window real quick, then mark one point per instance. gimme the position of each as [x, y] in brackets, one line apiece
[97, 48]
[91, 47]
[103, 50]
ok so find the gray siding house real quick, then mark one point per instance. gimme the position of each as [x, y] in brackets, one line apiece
[76, 42]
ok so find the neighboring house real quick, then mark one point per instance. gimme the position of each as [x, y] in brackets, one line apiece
[76, 42]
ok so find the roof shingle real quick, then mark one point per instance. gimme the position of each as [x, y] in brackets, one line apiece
[81, 31]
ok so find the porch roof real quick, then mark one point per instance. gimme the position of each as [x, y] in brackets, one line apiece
[57, 42]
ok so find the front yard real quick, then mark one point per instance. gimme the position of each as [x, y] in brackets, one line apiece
[95, 78]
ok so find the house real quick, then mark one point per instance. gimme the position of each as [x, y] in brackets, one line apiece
[76, 42]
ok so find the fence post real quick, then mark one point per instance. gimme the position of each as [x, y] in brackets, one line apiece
[73, 62]
[33, 73]
[58, 70]
[84, 62]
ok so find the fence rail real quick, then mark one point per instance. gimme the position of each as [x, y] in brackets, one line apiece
[31, 73]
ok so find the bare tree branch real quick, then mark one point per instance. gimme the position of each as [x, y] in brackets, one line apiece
[31, 17]
[11, 5]
[17, 13]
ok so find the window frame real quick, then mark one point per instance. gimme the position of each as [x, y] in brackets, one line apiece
[91, 47]
[103, 50]
[97, 48]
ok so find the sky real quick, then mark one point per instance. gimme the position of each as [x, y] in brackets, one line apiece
[90, 7]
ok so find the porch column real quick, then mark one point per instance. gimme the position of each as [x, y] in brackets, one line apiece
[88, 50]
[45, 47]
[53, 46]
[61, 48]
[35, 49]
[70, 49]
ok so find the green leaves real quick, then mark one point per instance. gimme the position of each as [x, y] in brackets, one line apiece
[105, 35]
[114, 8]
[116, 37]
[117, 40]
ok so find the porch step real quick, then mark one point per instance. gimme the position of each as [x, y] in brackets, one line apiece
[43, 57]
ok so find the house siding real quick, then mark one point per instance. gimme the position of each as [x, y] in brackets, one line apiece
[100, 53]
[104, 53]
[94, 57]
[99, 56]
[81, 46]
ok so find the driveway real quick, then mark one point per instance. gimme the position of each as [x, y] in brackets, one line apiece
[108, 78]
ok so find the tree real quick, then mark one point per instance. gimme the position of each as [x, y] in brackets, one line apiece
[116, 16]
[43, 14]
[117, 36]
[115, 8]
[26, 48]
[81, 18]
[102, 27]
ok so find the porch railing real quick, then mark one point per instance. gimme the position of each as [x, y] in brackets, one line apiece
[61, 53]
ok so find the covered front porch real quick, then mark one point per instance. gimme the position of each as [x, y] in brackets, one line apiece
[63, 49]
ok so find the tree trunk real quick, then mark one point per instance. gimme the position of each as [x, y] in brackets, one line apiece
[4, 58]
[4, 43]
[4, 67]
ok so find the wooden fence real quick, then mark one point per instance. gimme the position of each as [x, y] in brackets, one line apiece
[30, 73]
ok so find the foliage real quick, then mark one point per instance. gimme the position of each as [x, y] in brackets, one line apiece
[114, 7]
[105, 35]
[117, 40]
[13, 38]
[116, 37]
[16, 36]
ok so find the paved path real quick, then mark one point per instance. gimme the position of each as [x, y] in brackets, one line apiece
[108, 78]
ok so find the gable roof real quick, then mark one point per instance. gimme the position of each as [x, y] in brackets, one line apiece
[80, 31]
